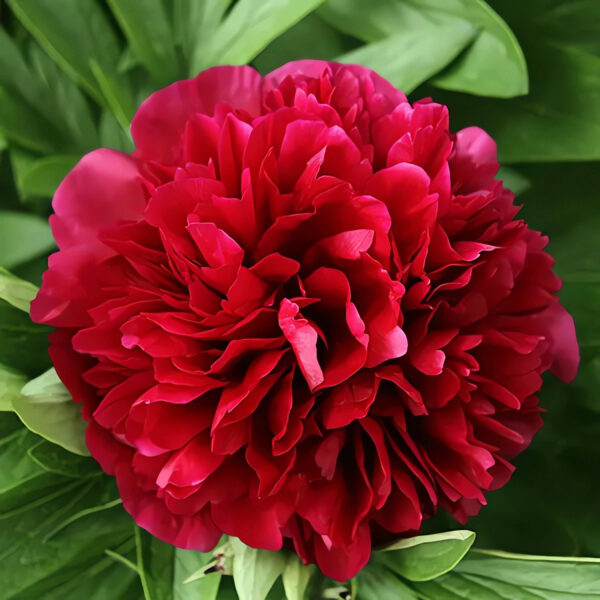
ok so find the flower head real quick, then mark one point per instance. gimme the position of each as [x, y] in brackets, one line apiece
[302, 312]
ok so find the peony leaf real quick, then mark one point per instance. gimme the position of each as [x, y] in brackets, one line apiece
[425, 557]
[194, 25]
[550, 124]
[249, 28]
[23, 344]
[164, 569]
[11, 382]
[489, 575]
[46, 408]
[155, 565]
[40, 177]
[22, 97]
[147, 27]
[410, 58]
[76, 125]
[493, 65]
[55, 459]
[33, 566]
[15, 291]
[296, 577]
[311, 37]
[188, 562]
[23, 237]
[377, 582]
[75, 33]
[112, 135]
[255, 571]
[117, 97]
[514, 180]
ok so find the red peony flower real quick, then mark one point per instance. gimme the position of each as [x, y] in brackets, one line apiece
[302, 312]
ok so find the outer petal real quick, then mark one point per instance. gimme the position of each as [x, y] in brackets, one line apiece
[158, 125]
[103, 189]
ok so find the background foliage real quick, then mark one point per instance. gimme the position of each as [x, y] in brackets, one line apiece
[72, 73]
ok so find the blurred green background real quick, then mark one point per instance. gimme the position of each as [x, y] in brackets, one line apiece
[72, 73]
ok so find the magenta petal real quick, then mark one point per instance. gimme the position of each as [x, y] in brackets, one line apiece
[159, 123]
[303, 337]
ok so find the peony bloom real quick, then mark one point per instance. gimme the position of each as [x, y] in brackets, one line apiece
[302, 313]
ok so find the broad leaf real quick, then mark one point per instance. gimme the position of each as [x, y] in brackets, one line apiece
[22, 101]
[194, 27]
[377, 582]
[54, 459]
[513, 180]
[311, 37]
[250, 26]
[22, 237]
[46, 408]
[15, 291]
[73, 33]
[501, 576]
[425, 557]
[54, 544]
[296, 577]
[410, 58]
[11, 382]
[117, 96]
[155, 563]
[40, 177]
[23, 344]
[188, 562]
[492, 65]
[255, 571]
[76, 124]
[112, 135]
[164, 569]
[147, 27]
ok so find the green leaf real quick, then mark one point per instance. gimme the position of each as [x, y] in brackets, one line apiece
[309, 38]
[552, 123]
[32, 563]
[22, 237]
[492, 65]
[112, 135]
[155, 562]
[15, 291]
[194, 27]
[425, 557]
[23, 100]
[117, 96]
[147, 27]
[502, 576]
[40, 177]
[255, 571]
[73, 33]
[23, 344]
[250, 26]
[410, 58]
[296, 577]
[376, 582]
[46, 408]
[54, 459]
[11, 382]
[76, 124]
[188, 562]
[514, 180]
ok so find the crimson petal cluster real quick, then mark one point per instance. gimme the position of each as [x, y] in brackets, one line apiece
[302, 313]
